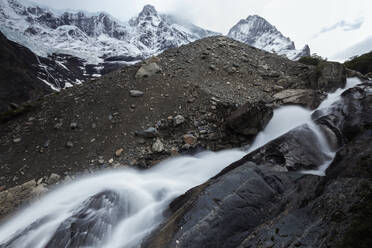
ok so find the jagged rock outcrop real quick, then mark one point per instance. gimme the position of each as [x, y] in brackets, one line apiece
[258, 32]
[250, 204]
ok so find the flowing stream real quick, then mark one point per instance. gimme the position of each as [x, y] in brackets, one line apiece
[141, 196]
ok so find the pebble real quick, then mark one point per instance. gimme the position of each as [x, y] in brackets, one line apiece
[111, 161]
[189, 139]
[53, 178]
[178, 120]
[158, 146]
[151, 132]
[17, 140]
[73, 125]
[136, 93]
[69, 144]
[119, 152]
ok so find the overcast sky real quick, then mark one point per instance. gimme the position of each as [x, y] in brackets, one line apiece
[328, 26]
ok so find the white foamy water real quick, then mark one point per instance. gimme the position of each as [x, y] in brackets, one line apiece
[146, 194]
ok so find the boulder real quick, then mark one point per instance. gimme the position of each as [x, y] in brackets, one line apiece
[148, 70]
[331, 76]
[305, 97]
[250, 118]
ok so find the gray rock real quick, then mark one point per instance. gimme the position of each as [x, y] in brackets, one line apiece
[73, 125]
[69, 144]
[17, 140]
[53, 179]
[250, 118]
[304, 97]
[151, 132]
[158, 146]
[136, 93]
[178, 120]
[148, 70]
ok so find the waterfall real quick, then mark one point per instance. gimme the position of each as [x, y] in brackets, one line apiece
[118, 208]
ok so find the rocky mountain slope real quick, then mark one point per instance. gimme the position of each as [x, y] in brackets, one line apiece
[214, 93]
[258, 32]
[25, 76]
[194, 91]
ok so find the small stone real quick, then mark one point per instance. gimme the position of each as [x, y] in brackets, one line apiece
[158, 146]
[110, 117]
[178, 120]
[162, 124]
[17, 140]
[69, 144]
[136, 93]
[111, 161]
[53, 178]
[119, 152]
[101, 161]
[46, 144]
[151, 132]
[94, 125]
[73, 125]
[189, 139]
[212, 67]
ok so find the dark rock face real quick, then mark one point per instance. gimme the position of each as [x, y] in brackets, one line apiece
[23, 74]
[106, 209]
[250, 118]
[18, 81]
[250, 204]
[299, 149]
[332, 76]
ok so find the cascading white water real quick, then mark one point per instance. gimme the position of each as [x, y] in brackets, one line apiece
[146, 194]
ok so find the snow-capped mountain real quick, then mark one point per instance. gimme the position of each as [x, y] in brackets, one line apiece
[94, 37]
[258, 32]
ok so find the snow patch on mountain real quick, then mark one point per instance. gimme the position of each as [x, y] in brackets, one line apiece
[258, 32]
[94, 37]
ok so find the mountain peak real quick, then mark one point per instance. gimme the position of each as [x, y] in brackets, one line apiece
[148, 10]
[258, 32]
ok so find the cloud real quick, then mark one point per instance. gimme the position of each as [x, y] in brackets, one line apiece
[344, 25]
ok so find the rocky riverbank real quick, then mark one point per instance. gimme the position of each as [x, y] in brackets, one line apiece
[198, 96]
